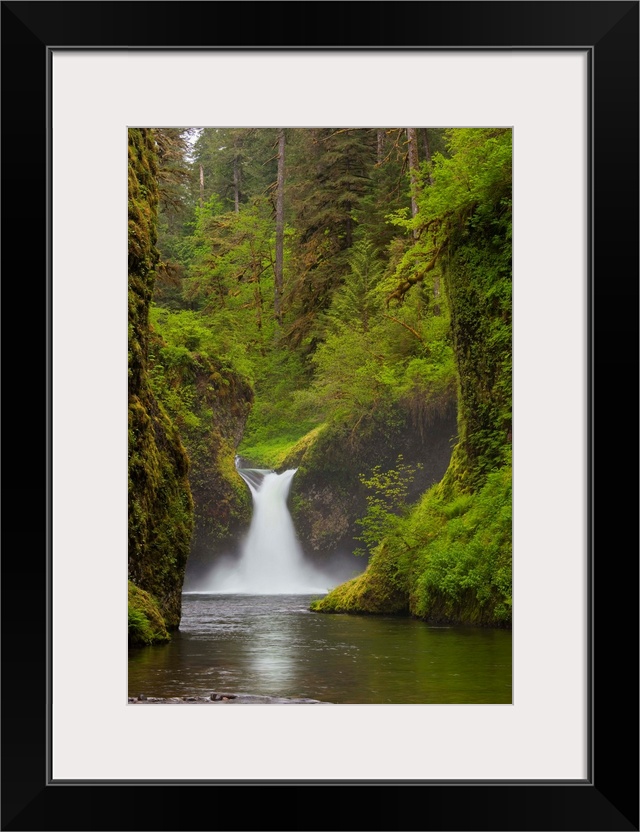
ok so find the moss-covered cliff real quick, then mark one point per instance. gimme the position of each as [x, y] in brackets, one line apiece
[328, 494]
[222, 500]
[160, 501]
[450, 559]
[209, 402]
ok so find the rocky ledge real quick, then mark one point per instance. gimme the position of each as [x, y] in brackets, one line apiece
[215, 698]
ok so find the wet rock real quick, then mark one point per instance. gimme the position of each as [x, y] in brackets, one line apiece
[233, 698]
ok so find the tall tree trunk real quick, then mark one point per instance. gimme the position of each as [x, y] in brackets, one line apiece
[236, 184]
[279, 267]
[412, 140]
[380, 148]
[436, 279]
[257, 294]
[348, 230]
[201, 186]
[427, 149]
[412, 137]
[237, 168]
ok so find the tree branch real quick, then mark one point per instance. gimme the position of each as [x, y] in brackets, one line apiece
[406, 326]
[416, 277]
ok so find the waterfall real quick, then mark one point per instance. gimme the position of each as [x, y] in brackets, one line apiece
[271, 561]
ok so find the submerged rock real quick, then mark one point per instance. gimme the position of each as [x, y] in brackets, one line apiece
[216, 698]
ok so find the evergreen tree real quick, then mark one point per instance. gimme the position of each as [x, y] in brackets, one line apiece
[237, 164]
[329, 175]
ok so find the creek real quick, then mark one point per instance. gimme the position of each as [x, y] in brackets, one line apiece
[272, 645]
[247, 629]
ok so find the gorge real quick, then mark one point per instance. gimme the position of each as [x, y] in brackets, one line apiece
[320, 401]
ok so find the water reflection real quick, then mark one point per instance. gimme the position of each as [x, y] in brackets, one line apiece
[273, 645]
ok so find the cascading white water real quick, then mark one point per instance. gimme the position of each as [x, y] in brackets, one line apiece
[271, 561]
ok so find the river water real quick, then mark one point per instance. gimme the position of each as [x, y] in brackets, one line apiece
[272, 645]
[246, 628]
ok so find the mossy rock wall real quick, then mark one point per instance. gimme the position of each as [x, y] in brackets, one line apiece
[160, 501]
[221, 498]
[478, 283]
[209, 403]
[451, 561]
[327, 496]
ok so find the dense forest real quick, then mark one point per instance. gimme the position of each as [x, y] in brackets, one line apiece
[339, 301]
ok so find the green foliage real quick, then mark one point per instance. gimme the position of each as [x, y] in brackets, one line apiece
[464, 238]
[230, 277]
[470, 189]
[277, 422]
[467, 563]
[452, 552]
[450, 556]
[173, 173]
[241, 159]
[205, 389]
[387, 502]
[189, 344]
[271, 447]
[328, 177]
[471, 183]
[388, 320]
[357, 303]
[371, 361]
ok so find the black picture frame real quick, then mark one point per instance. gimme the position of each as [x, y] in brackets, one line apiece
[608, 799]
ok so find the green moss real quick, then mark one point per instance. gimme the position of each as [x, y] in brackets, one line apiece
[160, 500]
[146, 624]
[479, 288]
[285, 450]
[463, 571]
[450, 562]
[381, 590]
[450, 559]
[209, 400]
